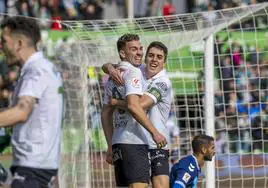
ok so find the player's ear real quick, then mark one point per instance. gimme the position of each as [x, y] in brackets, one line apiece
[17, 42]
[203, 150]
[122, 54]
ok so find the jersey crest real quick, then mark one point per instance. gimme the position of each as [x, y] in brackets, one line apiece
[162, 85]
[186, 177]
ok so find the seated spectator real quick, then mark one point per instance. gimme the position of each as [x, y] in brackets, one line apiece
[92, 10]
[168, 8]
[24, 8]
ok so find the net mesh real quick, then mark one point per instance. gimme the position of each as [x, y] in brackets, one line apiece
[241, 95]
[240, 79]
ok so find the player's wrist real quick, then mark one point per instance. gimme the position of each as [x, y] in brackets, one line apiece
[154, 132]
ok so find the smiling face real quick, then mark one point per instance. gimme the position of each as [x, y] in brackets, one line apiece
[132, 52]
[155, 61]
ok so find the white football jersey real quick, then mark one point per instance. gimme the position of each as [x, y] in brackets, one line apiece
[126, 128]
[159, 88]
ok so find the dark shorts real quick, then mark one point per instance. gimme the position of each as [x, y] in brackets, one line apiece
[31, 177]
[159, 162]
[131, 163]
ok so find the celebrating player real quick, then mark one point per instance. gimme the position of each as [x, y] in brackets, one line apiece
[157, 100]
[127, 138]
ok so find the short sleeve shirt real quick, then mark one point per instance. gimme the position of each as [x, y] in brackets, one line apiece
[159, 88]
[36, 142]
[126, 128]
[185, 173]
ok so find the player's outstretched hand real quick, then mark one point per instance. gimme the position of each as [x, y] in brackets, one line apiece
[160, 140]
[115, 75]
[109, 156]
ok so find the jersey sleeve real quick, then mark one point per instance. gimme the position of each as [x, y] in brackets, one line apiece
[158, 90]
[183, 179]
[34, 83]
[107, 92]
[133, 82]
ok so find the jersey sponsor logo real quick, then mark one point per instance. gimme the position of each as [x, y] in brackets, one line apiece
[121, 121]
[117, 154]
[135, 82]
[191, 167]
[157, 155]
[159, 164]
[186, 177]
[162, 86]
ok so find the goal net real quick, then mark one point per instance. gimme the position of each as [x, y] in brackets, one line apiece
[240, 82]
[240, 96]
[240, 71]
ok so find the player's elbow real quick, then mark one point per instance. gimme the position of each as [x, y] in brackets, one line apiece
[144, 106]
[22, 116]
[132, 107]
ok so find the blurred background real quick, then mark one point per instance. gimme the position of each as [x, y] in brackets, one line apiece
[110, 9]
[241, 74]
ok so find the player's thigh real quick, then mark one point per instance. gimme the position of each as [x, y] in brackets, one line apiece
[131, 163]
[159, 162]
[160, 181]
[138, 185]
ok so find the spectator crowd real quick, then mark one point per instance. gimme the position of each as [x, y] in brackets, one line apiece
[241, 102]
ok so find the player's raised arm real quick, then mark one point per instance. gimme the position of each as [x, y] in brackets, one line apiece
[113, 72]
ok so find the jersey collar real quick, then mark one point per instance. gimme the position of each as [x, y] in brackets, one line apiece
[196, 162]
[33, 58]
[125, 63]
[160, 74]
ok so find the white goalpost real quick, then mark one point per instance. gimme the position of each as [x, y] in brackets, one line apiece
[209, 104]
[218, 64]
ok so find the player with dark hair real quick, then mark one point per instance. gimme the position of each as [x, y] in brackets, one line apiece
[36, 109]
[156, 100]
[185, 173]
[127, 138]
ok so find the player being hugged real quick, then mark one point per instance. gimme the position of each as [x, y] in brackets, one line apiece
[127, 138]
[156, 100]
[185, 173]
